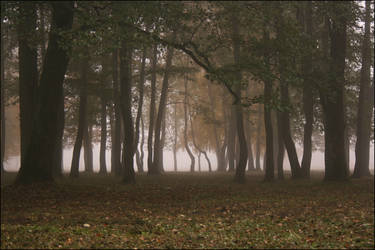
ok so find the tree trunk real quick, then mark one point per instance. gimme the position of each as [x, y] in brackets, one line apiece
[151, 169]
[28, 72]
[87, 146]
[250, 163]
[257, 146]
[175, 138]
[281, 149]
[241, 165]
[162, 143]
[141, 169]
[58, 159]
[220, 156]
[2, 90]
[82, 119]
[362, 146]
[38, 160]
[103, 136]
[162, 104]
[308, 100]
[126, 97]
[116, 142]
[332, 102]
[140, 99]
[231, 137]
[268, 160]
[186, 100]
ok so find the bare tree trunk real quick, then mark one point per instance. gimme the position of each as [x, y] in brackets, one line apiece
[268, 160]
[3, 58]
[38, 160]
[125, 88]
[365, 106]
[257, 146]
[231, 138]
[140, 99]
[150, 160]
[281, 149]
[175, 138]
[103, 137]
[162, 143]
[28, 71]
[58, 159]
[141, 169]
[116, 142]
[87, 146]
[162, 104]
[308, 100]
[82, 119]
[332, 101]
[186, 101]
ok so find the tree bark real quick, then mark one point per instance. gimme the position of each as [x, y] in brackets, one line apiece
[87, 146]
[257, 146]
[140, 99]
[3, 58]
[82, 119]
[332, 101]
[162, 143]
[231, 137]
[38, 160]
[281, 149]
[103, 136]
[243, 151]
[28, 71]
[268, 159]
[151, 169]
[308, 99]
[58, 160]
[365, 106]
[175, 138]
[125, 88]
[186, 101]
[116, 142]
[161, 110]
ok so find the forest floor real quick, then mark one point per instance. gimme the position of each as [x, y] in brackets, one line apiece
[184, 210]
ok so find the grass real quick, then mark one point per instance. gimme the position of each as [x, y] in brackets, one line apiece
[183, 210]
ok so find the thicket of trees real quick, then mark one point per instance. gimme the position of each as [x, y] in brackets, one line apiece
[241, 79]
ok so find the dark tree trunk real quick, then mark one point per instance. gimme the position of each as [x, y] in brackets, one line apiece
[257, 146]
[87, 146]
[125, 87]
[243, 151]
[82, 119]
[38, 160]
[231, 137]
[58, 160]
[365, 106]
[151, 169]
[308, 99]
[175, 138]
[268, 164]
[250, 162]
[186, 100]
[162, 143]
[220, 155]
[141, 169]
[116, 142]
[2, 90]
[103, 136]
[140, 100]
[281, 149]
[332, 101]
[161, 110]
[28, 72]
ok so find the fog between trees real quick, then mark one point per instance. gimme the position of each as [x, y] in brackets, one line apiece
[244, 82]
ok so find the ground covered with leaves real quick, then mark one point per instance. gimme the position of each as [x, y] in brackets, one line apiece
[183, 210]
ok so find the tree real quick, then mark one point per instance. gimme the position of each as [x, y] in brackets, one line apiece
[38, 160]
[103, 136]
[125, 89]
[82, 120]
[331, 96]
[362, 147]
